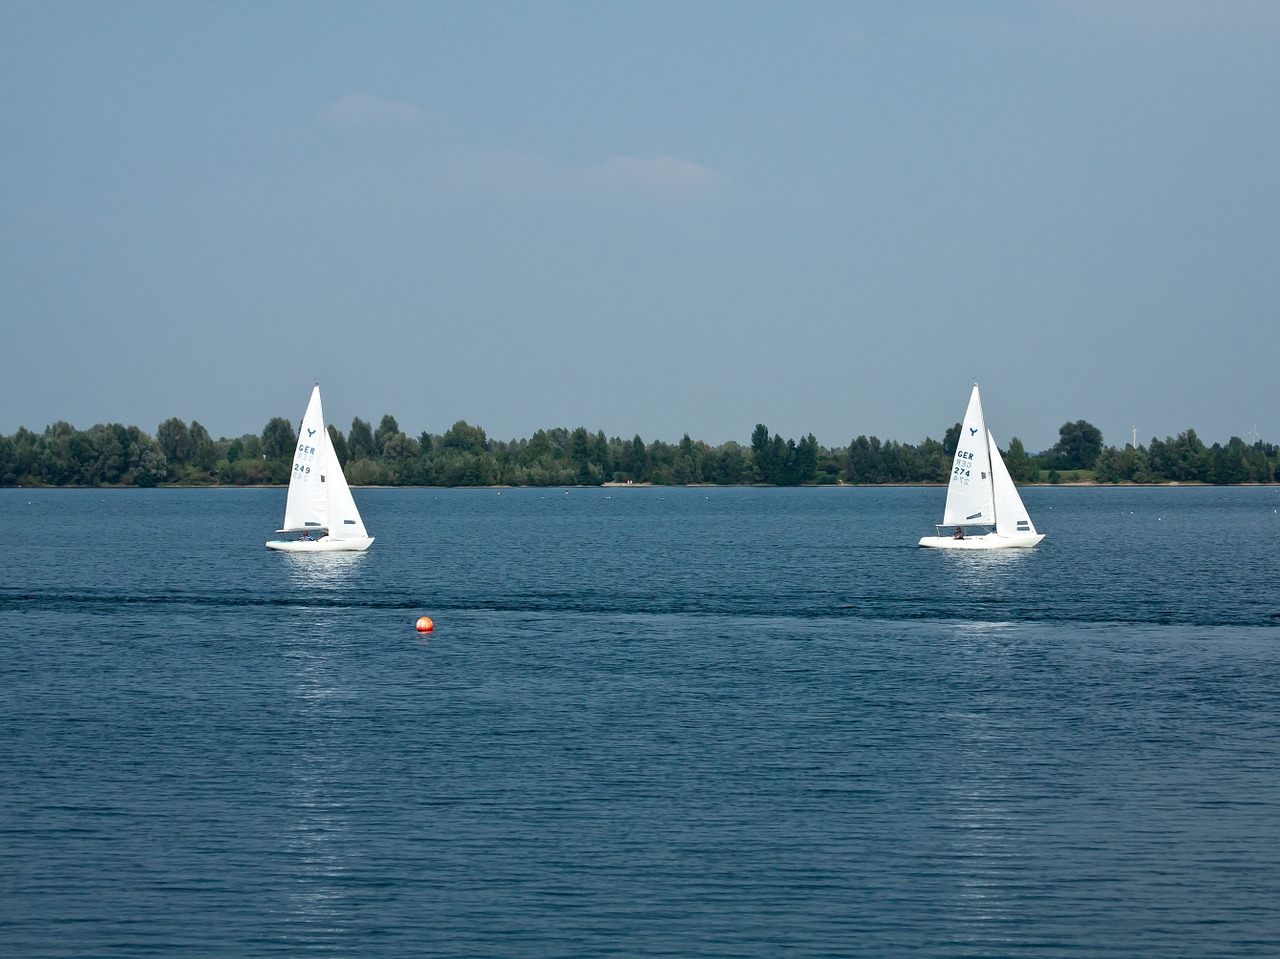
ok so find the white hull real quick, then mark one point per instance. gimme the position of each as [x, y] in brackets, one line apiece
[987, 541]
[325, 545]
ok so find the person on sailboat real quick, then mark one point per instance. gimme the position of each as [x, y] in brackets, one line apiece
[959, 533]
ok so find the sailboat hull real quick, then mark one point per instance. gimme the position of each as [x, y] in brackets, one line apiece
[325, 545]
[986, 541]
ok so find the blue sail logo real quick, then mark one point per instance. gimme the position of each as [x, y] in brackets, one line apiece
[972, 430]
[311, 432]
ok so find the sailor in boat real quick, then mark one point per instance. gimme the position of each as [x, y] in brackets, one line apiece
[305, 537]
[959, 533]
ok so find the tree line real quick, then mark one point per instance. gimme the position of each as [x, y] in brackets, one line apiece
[182, 454]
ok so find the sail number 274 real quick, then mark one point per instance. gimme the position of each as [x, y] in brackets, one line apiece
[961, 471]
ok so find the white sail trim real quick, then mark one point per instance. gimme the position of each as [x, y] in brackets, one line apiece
[344, 518]
[1011, 516]
[970, 500]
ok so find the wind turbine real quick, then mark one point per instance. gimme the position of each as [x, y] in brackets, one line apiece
[1135, 437]
[1257, 437]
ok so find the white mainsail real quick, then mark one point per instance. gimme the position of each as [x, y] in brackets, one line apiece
[969, 494]
[307, 507]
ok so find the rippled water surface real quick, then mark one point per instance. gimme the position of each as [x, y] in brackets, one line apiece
[686, 723]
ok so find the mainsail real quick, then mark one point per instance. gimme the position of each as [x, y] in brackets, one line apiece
[969, 493]
[307, 507]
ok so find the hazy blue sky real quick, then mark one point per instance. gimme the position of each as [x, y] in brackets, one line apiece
[644, 217]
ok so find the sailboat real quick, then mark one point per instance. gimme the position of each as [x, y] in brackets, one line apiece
[981, 493]
[319, 509]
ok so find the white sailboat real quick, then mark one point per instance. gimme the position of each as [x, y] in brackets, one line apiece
[981, 493]
[319, 509]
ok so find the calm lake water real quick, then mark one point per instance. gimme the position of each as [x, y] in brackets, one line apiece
[650, 722]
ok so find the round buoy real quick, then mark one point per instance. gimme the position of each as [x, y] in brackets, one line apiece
[425, 625]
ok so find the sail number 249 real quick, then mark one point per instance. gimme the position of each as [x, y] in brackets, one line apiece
[304, 454]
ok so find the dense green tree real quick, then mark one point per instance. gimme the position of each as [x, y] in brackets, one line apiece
[935, 462]
[580, 450]
[787, 473]
[107, 456]
[1190, 458]
[1227, 463]
[24, 443]
[54, 464]
[463, 436]
[635, 460]
[206, 455]
[605, 455]
[1261, 469]
[175, 441]
[1128, 465]
[686, 467]
[899, 462]
[539, 447]
[246, 471]
[829, 466]
[360, 441]
[387, 427]
[865, 462]
[8, 462]
[1020, 466]
[278, 439]
[398, 448]
[763, 462]
[198, 433]
[1078, 447]
[1160, 459]
[117, 449]
[778, 459]
[806, 467]
[728, 465]
[152, 469]
[368, 472]
[951, 442]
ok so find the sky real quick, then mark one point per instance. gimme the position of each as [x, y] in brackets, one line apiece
[643, 218]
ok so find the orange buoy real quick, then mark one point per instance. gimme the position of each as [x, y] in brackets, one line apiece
[425, 625]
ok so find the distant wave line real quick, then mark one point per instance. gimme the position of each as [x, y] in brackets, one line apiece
[901, 611]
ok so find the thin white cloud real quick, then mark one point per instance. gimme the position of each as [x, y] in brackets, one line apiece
[459, 169]
[662, 175]
[361, 109]
[456, 166]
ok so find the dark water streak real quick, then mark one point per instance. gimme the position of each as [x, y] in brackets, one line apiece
[650, 722]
